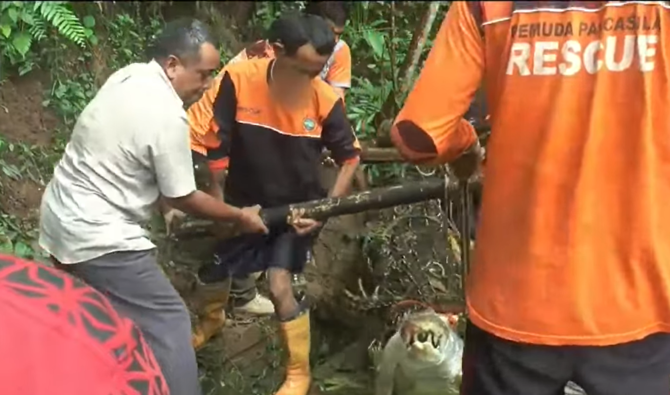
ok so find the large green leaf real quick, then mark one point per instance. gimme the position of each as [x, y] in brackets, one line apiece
[21, 43]
[376, 41]
[6, 30]
[88, 21]
[13, 14]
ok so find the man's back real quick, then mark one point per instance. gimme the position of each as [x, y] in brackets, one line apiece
[572, 240]
[578, 172]
[105, 184]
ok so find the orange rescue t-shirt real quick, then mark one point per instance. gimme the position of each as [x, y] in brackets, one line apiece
[572, 247]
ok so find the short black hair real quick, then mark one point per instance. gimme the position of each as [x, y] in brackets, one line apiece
[182, 38]
[335, 11]
[294, 31]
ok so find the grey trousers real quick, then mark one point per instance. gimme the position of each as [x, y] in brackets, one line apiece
[138, 289]
[243, 290]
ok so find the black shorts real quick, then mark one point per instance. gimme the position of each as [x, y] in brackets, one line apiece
[494, 366]
[242, 255]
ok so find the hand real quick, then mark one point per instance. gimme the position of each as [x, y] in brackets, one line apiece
[466, 165]
[303, 226]
[251, 222]
[170, 217]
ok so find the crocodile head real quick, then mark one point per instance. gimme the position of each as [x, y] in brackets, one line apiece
[427, 335]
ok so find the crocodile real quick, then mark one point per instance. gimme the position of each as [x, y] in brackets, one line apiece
[424, 357]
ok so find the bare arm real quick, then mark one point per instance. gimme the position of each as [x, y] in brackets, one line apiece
[174, 172]
[200, 204]
[344, 178]
[215, 190]
[339, 138]
[173, 165]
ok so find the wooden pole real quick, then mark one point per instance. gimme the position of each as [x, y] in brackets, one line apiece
[375, 199]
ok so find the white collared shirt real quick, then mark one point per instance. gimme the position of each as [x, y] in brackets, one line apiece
[130, 144]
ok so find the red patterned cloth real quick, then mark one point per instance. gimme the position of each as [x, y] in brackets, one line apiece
[59, 336]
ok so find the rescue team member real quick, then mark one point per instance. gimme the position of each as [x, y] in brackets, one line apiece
[61, 337]
[275, 117]
[337, 70]
[204, 142]
[570, 280]
[203, 129]
[130, 144]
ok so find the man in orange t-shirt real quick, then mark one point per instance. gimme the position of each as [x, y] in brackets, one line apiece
[571, 275]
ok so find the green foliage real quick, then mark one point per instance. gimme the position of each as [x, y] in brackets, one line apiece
[128, 38]
[16, 237]
[69, 96]
[24, 23]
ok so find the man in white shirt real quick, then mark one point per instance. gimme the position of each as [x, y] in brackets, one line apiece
[130, 145]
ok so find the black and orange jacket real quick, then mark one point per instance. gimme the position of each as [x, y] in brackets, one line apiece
[275, 153]
[203, 129]
[572, 247]
[336, 72]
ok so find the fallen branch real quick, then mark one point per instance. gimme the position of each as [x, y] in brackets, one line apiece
[380, 155]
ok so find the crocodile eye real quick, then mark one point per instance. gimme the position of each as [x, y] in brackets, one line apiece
[422, 337]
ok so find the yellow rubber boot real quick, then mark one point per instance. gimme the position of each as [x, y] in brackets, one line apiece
[297, 339]
[209, 300]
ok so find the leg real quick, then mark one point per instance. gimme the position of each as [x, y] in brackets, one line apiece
[281, 294]
[246, 298]
[289, 254]
[639, 367]
[295, 328]
[243, 290]
[493, 366]
[210, 301]
[138, 289]
[214, 284]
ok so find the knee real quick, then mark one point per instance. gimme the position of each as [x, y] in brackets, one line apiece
[280, 289]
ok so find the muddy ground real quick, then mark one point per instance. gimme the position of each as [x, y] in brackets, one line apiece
[23, 119]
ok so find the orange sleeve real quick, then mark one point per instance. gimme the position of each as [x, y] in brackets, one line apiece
[200, 119]
[430, 127]
[339, 73]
